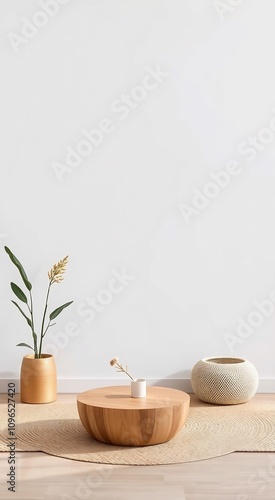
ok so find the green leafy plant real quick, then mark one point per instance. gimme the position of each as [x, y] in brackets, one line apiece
[55, 275]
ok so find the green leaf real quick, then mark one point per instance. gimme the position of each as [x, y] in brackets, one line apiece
[22, 344]
[20, 268]
[22, 312]
[19, 293]
[57, 311]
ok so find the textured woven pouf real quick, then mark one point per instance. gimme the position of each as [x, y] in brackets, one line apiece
[224, 381]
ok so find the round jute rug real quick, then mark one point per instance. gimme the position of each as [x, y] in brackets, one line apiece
[210, 431]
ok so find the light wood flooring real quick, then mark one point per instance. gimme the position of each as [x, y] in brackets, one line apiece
[237, 476]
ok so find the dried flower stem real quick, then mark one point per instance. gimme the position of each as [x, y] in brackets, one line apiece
[115, 362]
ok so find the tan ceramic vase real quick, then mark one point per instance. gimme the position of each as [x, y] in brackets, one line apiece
[38, 379]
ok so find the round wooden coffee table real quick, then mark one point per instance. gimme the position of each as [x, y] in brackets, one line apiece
[111, 415]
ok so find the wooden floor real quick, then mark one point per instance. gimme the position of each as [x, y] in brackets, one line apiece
[237, 476]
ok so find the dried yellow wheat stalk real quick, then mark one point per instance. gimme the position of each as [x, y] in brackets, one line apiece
[56, 273]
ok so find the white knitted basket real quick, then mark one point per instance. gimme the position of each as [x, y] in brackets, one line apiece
[224, 381]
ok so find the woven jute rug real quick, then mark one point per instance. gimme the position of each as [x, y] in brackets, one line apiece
[210, 431]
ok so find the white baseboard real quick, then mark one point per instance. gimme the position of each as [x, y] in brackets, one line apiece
[75, 386]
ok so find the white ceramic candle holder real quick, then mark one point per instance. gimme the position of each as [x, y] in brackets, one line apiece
[138, 388]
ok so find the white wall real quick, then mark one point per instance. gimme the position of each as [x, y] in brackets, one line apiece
[195, 266]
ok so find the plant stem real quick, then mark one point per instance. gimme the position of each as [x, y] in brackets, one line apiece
[124, 370]
[32, 327]
[42, 333]
[46, 329]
